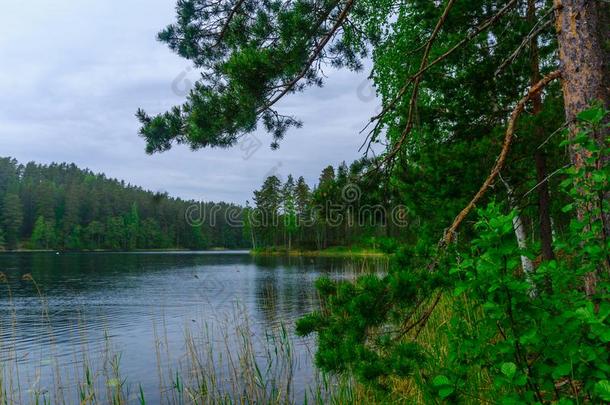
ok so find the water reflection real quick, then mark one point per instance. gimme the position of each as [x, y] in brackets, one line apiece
[80, 303]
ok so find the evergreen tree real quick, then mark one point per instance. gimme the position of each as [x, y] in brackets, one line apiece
[74, 239]
[12, 220]
[132, 227]
[303, 206]
[249, 228]
[268, 202]
[64, 207]
[289, 210]
[39, 234]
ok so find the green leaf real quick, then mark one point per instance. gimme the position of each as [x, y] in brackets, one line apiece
[445, 392]
[593, 115]
[459, 290]
[509, 369]
[602, 388]
[521, 380]
[440, 381]
[562, 370]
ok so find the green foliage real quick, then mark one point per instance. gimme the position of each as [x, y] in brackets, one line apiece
[39, 239]
[289, 209]
[62, 207]
[250, 52]
[12, 219]
[538, 338]
[351, 206]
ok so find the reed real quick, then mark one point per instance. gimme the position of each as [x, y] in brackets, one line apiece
[237, 368]
[220, 362]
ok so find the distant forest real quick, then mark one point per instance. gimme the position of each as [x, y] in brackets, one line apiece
[63, 207]
[350, 206]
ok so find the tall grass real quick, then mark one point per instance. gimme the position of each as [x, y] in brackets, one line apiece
[222, 362]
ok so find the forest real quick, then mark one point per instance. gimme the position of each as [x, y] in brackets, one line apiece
[62, 207]
[494, 129]
[346, 208]
[483, 179]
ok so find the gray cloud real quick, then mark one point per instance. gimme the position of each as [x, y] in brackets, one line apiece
[73, 73]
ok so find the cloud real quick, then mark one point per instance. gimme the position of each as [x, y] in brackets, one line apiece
[75, 71]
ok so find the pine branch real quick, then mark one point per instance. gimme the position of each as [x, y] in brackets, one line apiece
[312, 59]
[510, 131]
[225, 26]
[536, 30]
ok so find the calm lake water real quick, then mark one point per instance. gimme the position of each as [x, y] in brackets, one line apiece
[140, 306]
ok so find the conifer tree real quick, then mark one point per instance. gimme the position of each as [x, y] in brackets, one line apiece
[289, 210]
[12, 220]
[39, 234]
[268, 202]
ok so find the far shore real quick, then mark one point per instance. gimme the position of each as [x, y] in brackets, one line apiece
[338, 251]
[118, 251]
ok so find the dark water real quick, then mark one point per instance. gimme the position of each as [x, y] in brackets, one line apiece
[86, 303]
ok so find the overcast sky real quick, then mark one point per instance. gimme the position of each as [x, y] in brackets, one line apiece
[73, 73]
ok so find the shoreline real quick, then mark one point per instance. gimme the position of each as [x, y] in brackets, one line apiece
[119, 251]
[330, 252]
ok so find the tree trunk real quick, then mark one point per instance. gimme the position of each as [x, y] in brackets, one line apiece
[583, 27]
[544, 198]
[519, 229]
[544, 207]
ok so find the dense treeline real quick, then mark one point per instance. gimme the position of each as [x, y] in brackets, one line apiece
[350, 205]
[494, 118]
[60, 206]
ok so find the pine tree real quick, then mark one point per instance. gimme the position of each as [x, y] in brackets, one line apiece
[289, 210]
[39, 238]
[132, 227]
[304, 210]
[249, 228]
[12, 219]
[93, 234]
[66, 207]
[268, 203]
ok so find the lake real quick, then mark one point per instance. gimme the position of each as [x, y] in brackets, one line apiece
[149, 323]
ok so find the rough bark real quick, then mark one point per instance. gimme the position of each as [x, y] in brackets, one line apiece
[583, 54]
[544, 197]
[582, 32]
[544, 207]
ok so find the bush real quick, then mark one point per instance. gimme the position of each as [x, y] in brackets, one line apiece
[536, 338]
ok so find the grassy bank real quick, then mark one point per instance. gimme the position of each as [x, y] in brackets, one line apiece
[224, 363]
[335, 251]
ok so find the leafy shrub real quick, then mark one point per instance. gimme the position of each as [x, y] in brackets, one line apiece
[537, 338]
